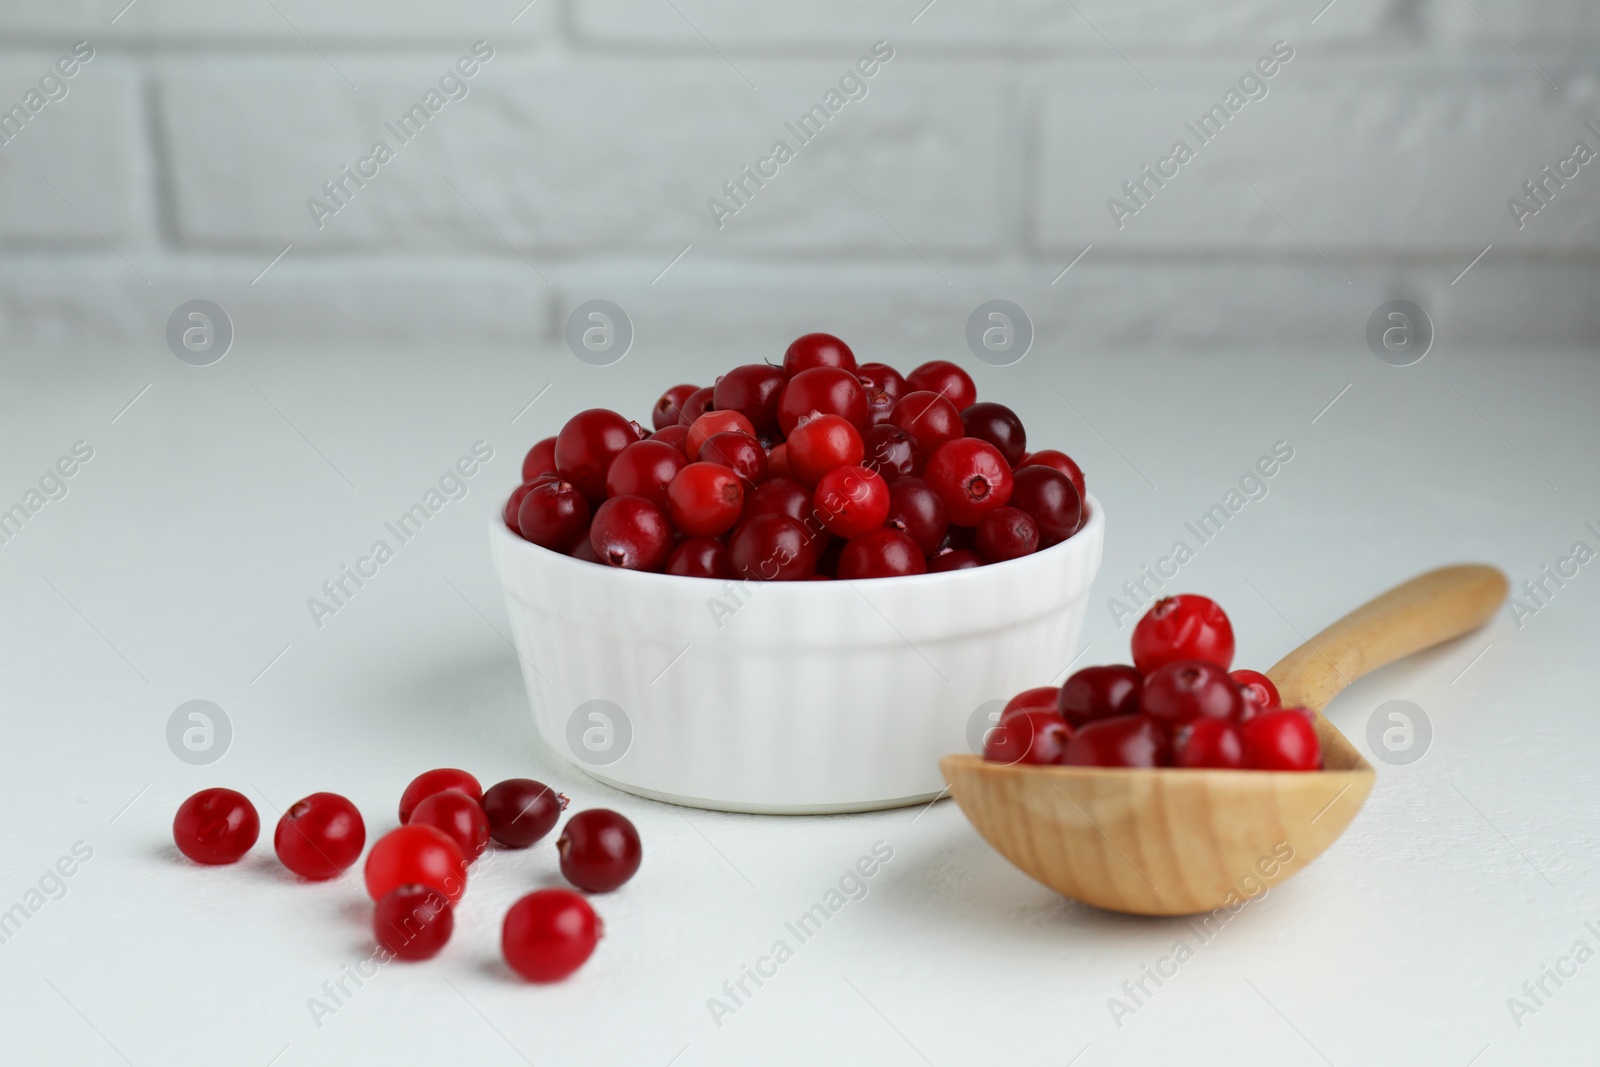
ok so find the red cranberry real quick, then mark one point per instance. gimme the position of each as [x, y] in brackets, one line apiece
[1048, 495]
[948, 380]
[549, 933]
[458, 817]
[1281, 740]
[817, 350]
[971, 477]
[700, 557]
[631, 533]
[818, 445]
[413, 922]
[521, 811]
[669, 408]
[1007, 533]
[778, 496]
[437, 780]
[955, 559]
[514, 504]
[772, 548]
[585, 551]
[714, 422]
[1100, 693]
[588, 443]
[824, 391]
[1189, 689]
[891, 452]
[645, 468]
[320, 836]
[1208, 743]
[998, 425]
[706, 500]
[1031, 737]
[698, 403]
[1062, 462]
[752, 390]
[1039, 698]
[1120, 741]
[674, 435]
[739, 451]
[416, 855]
[851, 501]
[918, 512]
[541, 459]
[929, 418]
[599, 850]
[553, 515]
[1258, 691]
[216, 826]
[1182, 627]
[778, 462]
[880, 553]
[884, 387]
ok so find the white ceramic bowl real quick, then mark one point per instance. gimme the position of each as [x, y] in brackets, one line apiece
[784, 697]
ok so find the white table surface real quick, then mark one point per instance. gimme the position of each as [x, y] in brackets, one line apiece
[179, 564]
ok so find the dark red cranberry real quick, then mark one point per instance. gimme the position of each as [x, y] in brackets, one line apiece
[1100, 693]
[645, 468]
[918, 512]
[553, 515]
[541, 459]
[413, 922]
[698, 403]
[817, 350]
[1120, 741]
[822, 391]
[631, 533]
[1039, 698]
[929, 418]
[1258, 691]
[948, 380]
[891, 452]
[954, 559]
[1007, 533]
[1208, 743]
[514, 504]
[599, 850]
[1182, 627]
[700, 557]
[752, 390]
[584, 550]
[971, 477]
[586, 446]
[1281, 740]
[521, 811]
[669, 408]
[1185, 690]
[884, 387]
[741, 452]
[778, 496]
[1062, 462]
[998, 425]
[1031, 738]
[1049, 496]
[772, 548]
[881, 553]
[675, 435]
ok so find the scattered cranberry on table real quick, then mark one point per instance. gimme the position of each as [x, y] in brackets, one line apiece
[320, 837]
[521, 811]
[458, 817]
[416, 854]
[216, 826]
[599, 849]
[548, 934]
[414, 922]
[437, 780]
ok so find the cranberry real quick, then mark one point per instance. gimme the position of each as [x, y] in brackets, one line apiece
[1208, 743]
[320, 836]
[851, 501]
[1100, 693]
[752, 390]
[1007, 533]
[891, 452]
[1182, 627]
[417, 855]
[521, 811]
[1039, 698]
[778, 462]
[631, 533]
[458, 817]
[884, 387]
[674, 435]
[955, 559]
[413, 922]
[549, 933]
[700, 557]
[1031, 737]
[818, 445]
[1258, 691]
[998, 425]
[216, 826]
[824, 391]
[670, 407]
[918, 512]
[645, 468]
[1120, 741]
[772, 548]
[929, 418]
[698, 403]
[817, 350]
[706, 499]
[948, 380]
[714, 422]
[553, 515]
[1282, 740]
[1061, 462]
[541, 459]
[778, 496]
[1188, 689]
[599, 850]
[881, 553]
[514, 504]
[741, 452]
[971, 477]
[1049, 496]
[437, 780]
[588, 443]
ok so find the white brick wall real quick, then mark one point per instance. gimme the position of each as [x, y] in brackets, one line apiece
[978, 164]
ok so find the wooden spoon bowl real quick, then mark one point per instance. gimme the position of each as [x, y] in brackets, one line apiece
[1178, 842]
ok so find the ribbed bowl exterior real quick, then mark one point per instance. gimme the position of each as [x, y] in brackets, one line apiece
[784, 697]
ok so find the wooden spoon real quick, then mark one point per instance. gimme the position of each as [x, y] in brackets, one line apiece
[1176, 842]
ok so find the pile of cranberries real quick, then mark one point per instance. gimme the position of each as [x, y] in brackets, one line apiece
[819, 468]
[417, 873]
[1177, 706]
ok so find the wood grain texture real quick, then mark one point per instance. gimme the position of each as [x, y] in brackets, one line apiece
[1179, 842]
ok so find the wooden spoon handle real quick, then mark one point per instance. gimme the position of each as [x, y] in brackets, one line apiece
[1428, 610]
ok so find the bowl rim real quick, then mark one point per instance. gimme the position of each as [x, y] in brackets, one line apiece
[1091, 532]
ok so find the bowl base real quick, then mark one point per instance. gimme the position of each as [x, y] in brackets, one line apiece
[766, 809]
